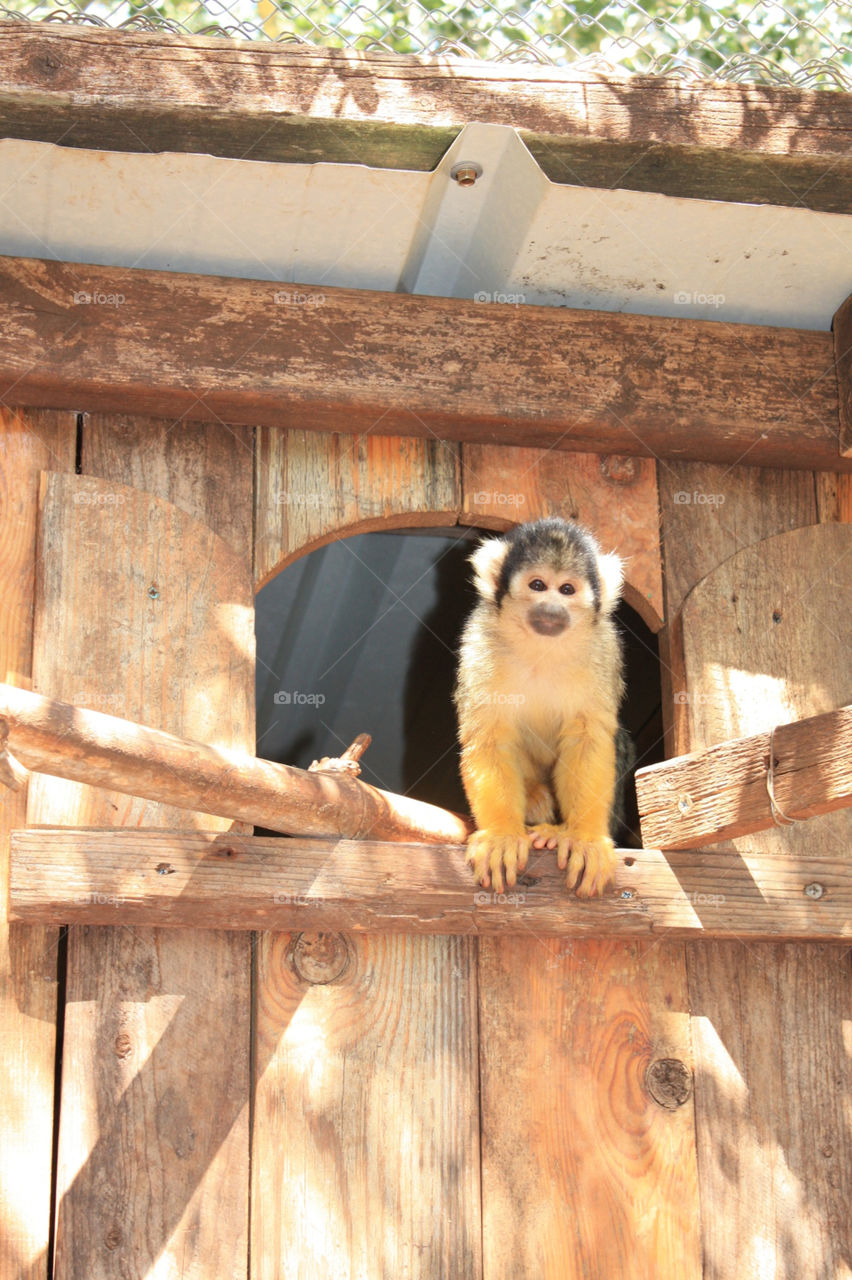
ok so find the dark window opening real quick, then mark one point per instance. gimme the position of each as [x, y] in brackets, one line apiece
[361, 636]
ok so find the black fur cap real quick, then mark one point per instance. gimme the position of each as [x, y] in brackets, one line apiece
[552, 541]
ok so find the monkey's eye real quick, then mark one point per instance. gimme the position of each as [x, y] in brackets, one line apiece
[567, 589]
[538, 585]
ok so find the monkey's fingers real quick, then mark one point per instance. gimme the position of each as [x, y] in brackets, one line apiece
[591, 867]
[548, 835]
[490, 851]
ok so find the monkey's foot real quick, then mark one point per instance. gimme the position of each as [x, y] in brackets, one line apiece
[591, 863]
[491, 851]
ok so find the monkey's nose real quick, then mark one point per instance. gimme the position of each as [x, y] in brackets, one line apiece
[548, 619]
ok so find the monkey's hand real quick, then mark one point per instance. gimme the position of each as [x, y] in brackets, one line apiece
[590, 863]
[491, 851]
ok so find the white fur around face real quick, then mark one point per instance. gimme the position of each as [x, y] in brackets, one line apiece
[487, 560]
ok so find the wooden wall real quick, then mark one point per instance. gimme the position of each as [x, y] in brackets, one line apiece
[345, 1105]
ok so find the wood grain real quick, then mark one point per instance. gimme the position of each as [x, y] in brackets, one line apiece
[748, 504]
[314, 486]
[773, 1078]
[841, 328]
[584, 1174]
[722, 792]
[196, 466]
[242, 882]
[29, 441]
[393, 364]
[91, 748]
[368, 1165]
[366, 1117]
[615, 496]
[153, 1142]
[148, 91]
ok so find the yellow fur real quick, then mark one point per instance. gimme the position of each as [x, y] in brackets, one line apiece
[538, 715]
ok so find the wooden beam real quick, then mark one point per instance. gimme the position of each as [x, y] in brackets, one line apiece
[87, 746]
[204, 348]
[721, 793]
[228, 881]
[141, 91]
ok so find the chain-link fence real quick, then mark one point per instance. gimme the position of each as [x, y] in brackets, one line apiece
[801, 42]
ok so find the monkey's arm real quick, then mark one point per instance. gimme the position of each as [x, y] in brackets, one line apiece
[584, 781]
[494, 786]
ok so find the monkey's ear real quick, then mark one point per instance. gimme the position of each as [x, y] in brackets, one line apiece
[611, 573]
[487, 561]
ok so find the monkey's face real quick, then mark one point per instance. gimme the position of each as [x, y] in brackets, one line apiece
[549, 600]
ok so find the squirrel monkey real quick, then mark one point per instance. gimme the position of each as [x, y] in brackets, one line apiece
[539, 684]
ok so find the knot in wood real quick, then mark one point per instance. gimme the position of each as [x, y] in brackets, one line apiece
[669, 1082]
[320, 958]
[123, 1045]
[620, 469]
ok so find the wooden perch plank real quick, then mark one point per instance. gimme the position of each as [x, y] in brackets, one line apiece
[56, 738]
[228, 881]
[149, 91]
[721, 793]
[203, 347]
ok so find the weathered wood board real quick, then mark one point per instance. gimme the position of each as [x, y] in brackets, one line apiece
[585, 1175]
[29, 441]
[766, 640]
[142, 609]
[366, 1121]
[244, 882]
[150, 91]
[344, 1073]
[729, 790]
[314, 486]
[363, 362]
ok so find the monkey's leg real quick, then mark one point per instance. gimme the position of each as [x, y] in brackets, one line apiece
[494, 786]
[584, 780]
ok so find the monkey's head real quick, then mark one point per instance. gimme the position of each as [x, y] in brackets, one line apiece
[548, 576]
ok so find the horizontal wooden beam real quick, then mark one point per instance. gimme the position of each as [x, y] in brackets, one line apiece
[246, 351]
[137, 91]
[721, 793]
[105, 751]
[223, 881]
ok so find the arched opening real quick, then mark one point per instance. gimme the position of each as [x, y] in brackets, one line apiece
[361, 635]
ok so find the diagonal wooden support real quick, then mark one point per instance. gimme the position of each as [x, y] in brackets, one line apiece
[87, 746]
[721, 793]
[228, 881]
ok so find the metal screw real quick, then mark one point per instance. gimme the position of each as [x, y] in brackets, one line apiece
[814, 890]
[466, 172]
[685, 803]
[628, 893]
[153, 593]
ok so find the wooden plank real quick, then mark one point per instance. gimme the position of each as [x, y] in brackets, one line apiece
[608, 1186]
[199, 468]
[390, 364]
[615, 496]
[709, 512]
[242, 882]
[29, 441]
[153, 1141]
[406, 1162]
[90, 747]
[366, 1116]
[722, 792]
[148, 91]
[314, 486]
[772, 1065]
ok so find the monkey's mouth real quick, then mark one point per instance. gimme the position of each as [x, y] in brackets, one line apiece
[548, 624]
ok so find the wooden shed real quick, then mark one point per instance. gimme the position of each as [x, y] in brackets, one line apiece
[256, 299]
